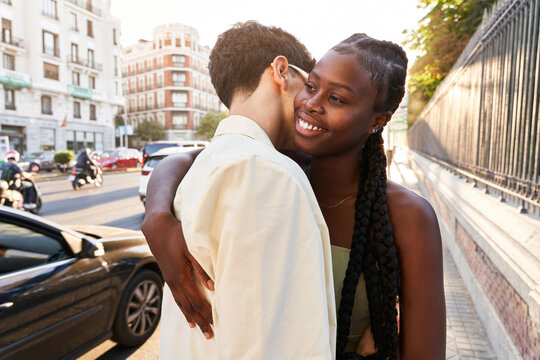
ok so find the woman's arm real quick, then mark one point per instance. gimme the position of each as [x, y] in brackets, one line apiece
[164, 235]
[418, 242]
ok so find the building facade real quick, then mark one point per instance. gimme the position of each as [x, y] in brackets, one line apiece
[166, 80]
[61, 85]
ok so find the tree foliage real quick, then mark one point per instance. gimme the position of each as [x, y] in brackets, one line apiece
[440, 37]
[209, 123]
[150, 130]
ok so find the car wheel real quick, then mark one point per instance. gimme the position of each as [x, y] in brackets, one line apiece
[114, 166]
[140, 309]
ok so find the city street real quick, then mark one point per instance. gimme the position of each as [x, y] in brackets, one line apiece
[116, 203]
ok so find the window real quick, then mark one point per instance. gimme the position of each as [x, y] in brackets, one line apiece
[6, 31]
[116, 88]
[92, 112]
[9, 62]
[178, 42]
[179, 79]
[27, 248]
[179, 99]
[91, 82]
[50, 42]
[9, 99]
[179, 60]
[89, 28]
[90, 58]
[76, 78]
[76, 109]
[115, 65]
[49, 8]
[74, 53]
[47, 140]
[46, 105]
[73, 22]
[50, 71]
[179, 121]
[6, 2]
[114, 37]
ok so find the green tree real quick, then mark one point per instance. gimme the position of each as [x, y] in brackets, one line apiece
[441, 36]
[150, 130]
[209, 123]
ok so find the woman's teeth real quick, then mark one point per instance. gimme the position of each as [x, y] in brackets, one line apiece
[308, 126]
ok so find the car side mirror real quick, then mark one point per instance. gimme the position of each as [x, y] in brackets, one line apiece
[90, 249]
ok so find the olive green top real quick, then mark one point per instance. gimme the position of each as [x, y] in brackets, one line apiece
[360, 314]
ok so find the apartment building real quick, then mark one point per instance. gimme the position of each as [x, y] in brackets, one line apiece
[60, 74]
[166, 80]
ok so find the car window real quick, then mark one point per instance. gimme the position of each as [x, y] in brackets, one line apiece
[21, 248]
[154, 161]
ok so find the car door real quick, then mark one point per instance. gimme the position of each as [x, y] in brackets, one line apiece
[51, 301]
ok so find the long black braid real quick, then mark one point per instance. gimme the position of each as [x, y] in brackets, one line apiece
[373, 251]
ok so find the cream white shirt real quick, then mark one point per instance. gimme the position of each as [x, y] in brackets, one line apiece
[252, 221]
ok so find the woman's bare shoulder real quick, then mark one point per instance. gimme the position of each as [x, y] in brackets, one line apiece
[412, 217]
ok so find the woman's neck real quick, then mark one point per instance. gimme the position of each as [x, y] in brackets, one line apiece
[335, 177]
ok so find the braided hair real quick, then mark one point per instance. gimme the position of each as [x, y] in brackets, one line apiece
[373, 251]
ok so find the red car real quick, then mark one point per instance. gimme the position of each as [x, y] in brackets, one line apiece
[120, 158]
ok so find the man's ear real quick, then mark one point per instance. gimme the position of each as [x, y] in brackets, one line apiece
[380, 120]
[280, 71]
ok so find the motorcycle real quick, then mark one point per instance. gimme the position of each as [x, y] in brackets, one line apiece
[13, 198]
[80, 177]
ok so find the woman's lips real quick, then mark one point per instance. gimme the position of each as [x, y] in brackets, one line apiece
[308, 128]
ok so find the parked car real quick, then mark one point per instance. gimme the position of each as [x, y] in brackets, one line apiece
[153, 146]
[120, 158]
[151, 162]
[64, 290]
[38, 161]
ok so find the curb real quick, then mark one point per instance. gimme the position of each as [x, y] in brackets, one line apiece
[67, 173]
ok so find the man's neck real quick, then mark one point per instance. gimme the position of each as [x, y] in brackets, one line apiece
[265, 111]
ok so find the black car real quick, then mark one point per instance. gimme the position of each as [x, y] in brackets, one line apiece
[38, 161]
[64, 290]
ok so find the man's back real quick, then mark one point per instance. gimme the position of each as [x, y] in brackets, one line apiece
[251, 220]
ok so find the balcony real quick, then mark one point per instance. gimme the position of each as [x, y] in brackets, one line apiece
[14, 80]
[84, 62]
[51, 51]
[13, 41]
[86, 5]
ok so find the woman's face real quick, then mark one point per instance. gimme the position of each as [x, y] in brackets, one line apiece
[334, 111]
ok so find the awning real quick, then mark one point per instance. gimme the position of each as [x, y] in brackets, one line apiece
[12, 83]
[80, 92]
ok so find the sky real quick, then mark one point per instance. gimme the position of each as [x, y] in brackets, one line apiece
[318, 24]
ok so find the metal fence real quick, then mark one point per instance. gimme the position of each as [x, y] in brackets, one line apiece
[483, 120]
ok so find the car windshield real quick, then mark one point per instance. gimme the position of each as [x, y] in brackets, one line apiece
[107, 154]
[152, 148]
[31, 156]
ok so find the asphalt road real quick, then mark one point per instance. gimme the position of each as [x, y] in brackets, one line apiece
[116, 203]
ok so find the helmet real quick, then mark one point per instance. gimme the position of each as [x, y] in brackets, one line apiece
[13, 154]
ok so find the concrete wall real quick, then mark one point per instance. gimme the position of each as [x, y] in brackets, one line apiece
[497, 252]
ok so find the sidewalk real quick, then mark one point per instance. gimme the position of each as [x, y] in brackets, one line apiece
[466, 337]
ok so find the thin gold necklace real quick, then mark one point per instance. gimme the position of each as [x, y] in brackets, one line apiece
[337, 204]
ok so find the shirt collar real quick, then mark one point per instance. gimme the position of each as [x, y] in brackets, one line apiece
[237, 124]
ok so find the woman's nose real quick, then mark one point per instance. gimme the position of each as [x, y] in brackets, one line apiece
[313, 104]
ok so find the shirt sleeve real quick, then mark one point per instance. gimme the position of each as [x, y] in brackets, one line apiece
[255, 233]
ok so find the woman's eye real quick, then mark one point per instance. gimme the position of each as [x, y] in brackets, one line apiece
[336, 100]
[309, 87]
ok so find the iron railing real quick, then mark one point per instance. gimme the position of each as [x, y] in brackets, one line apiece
[484, 117]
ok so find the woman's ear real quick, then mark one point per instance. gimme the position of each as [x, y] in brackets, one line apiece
[380, 120]
[280, 71]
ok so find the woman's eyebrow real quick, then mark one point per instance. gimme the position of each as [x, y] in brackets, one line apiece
[315, 75]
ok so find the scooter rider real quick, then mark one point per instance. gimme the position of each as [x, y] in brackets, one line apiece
[15, 177]
[86, 161]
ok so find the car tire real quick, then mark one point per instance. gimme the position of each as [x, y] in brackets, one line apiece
[138, 316]
[114, 166]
